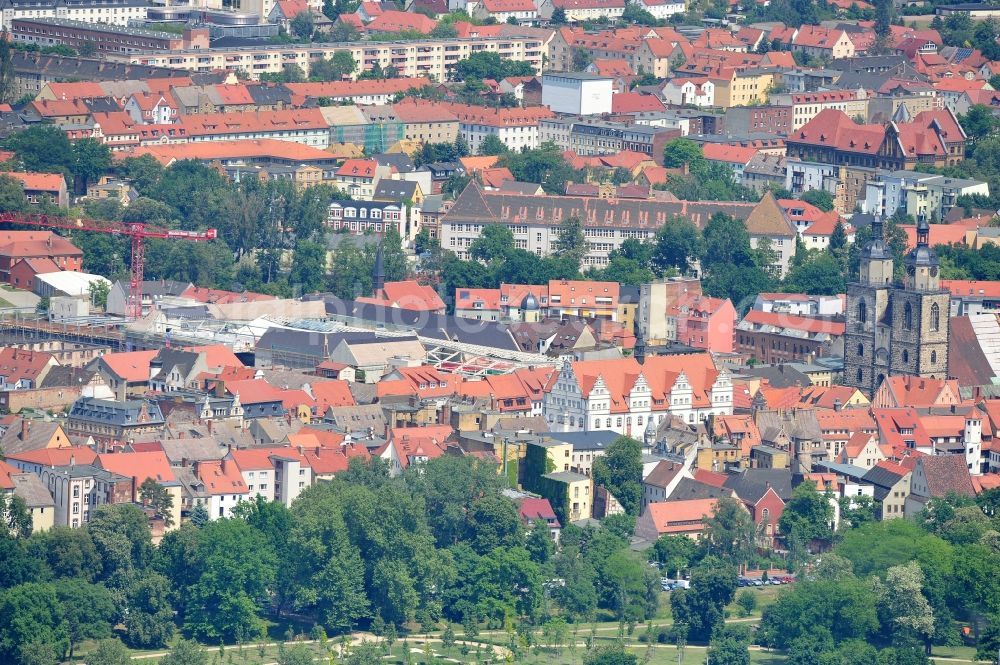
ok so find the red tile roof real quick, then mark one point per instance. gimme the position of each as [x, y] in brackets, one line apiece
[686, 516]
[396, 21]
[834, 128]
[221, 477]
[732, 154]
[332, 393]
[971, 287]
[56, 456]
[42, 182]
[794, 322]
[17, 364]
[131, 366]
[635, 102]
[332, 460]
[139, 466]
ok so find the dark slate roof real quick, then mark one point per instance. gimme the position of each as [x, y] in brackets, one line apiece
[168, 359]
[395, 190]
[628, 294]
[30, 487]
[62, 68]
[268, 95]
[401, 161]
[65, 375]
[102, 105]
[110, 412]
[778, 376]
[424, 324]
[597, 440]
[752, 484]
[689, 488]
[883, 479]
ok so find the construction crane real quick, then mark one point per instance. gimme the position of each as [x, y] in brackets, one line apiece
[138, 232]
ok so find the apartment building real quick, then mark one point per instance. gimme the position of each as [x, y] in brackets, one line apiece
[108, 39]
[431, 58]
[807, 105]
[113, 12]
[535, 220]
[517, 128]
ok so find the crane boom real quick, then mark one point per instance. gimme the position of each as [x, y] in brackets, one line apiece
[137, 231]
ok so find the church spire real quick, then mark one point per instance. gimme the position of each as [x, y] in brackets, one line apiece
[639, 352]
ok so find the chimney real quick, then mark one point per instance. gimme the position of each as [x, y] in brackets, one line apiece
[72, 460]
[288, 418]
[184, 462]
[209, 423]
[837, 405]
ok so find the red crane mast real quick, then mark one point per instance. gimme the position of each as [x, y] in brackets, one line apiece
[138, 232]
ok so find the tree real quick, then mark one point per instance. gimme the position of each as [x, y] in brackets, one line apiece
[87, 610]
[700, 608]
[296, 654]
[620, 471]
[674, 553]
[157, 497]
[808, 515]
[199, 515]
[366, 653]
[624, 588]
[110, 652]
[729, 532]
[822, 199]
[747, 602]
[149, 620]
[539, 543]
[558, 16]
[978, 123]
[336, 68]
[43, 148]
[571, 243]
[91, 159]
[730, 647]
[494, 522]
[98, 291]
[186, 652]
[12, 197]
[67, 552]
[225, 599]
[19, 566]
[303, 25]
[678, 245]
[308, 266]
[143, 172]
[30, 614]
[121, 535]
[609, 654]
[846, 607]
[16, 518]
[680, 152]
[492, 145]
[905, 613]
[494, 242]
[489, 65]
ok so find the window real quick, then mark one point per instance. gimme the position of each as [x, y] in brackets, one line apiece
[906, 356]
[861, 350]
[933, 356]
[908, 317]
[862, 312]
[935, 317]
[859, 375]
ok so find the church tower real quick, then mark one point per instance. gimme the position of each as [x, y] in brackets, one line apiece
[920, 314]
[867, 337]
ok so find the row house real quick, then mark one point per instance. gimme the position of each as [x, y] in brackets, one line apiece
[807, 105]
[516, 128]
[365, 217]
[623, 395]
[776, 338]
